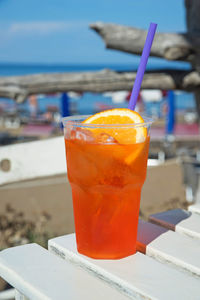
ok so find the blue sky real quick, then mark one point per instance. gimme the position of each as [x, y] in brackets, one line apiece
[57, 31]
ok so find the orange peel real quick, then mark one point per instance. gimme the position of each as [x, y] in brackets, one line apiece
[119, 121]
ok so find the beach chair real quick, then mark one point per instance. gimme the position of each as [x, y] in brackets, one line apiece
[166, 266]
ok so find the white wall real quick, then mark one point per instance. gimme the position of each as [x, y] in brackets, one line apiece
[33, 159]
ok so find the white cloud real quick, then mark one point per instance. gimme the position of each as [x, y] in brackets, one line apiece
[42, 27]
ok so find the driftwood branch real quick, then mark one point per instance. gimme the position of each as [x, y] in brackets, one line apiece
[171, 46]
[19, 87]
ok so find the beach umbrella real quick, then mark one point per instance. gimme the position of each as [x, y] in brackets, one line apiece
[170, 117]
[65, 105]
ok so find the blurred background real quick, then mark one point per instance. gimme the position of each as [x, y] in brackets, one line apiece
[51, 37]
[53, 41]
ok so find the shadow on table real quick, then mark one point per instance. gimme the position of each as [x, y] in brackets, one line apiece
[147, 232]
[169, 219]
[159, 224]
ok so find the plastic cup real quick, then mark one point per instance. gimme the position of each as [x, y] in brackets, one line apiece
[106, 180]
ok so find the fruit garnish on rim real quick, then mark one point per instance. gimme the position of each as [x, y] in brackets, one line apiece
[128, 127]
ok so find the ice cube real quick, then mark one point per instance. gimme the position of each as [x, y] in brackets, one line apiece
[84, 135]
[105, 138]
[69, 133]
[73, 134]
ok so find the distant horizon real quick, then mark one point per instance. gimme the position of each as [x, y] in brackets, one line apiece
[63, 64]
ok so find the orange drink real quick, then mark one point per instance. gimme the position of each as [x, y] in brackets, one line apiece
[106, 169]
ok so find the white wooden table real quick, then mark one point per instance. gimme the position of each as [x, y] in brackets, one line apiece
[166, 266]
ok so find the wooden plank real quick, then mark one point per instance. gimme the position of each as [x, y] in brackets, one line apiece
[169, 247]
[19, 296]
[7, 294]
[139, 276]
[195, 208]
[178, 220]
[39, 275]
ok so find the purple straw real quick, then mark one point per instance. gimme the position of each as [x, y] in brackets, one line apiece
[142, 66]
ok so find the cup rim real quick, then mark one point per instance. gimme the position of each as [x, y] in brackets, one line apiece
[76, 121]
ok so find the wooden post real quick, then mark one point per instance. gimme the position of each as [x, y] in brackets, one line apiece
[193, 27]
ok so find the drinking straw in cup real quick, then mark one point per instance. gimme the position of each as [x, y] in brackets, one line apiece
[142, 65]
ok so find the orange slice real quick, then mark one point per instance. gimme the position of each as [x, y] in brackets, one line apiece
[118, 117]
